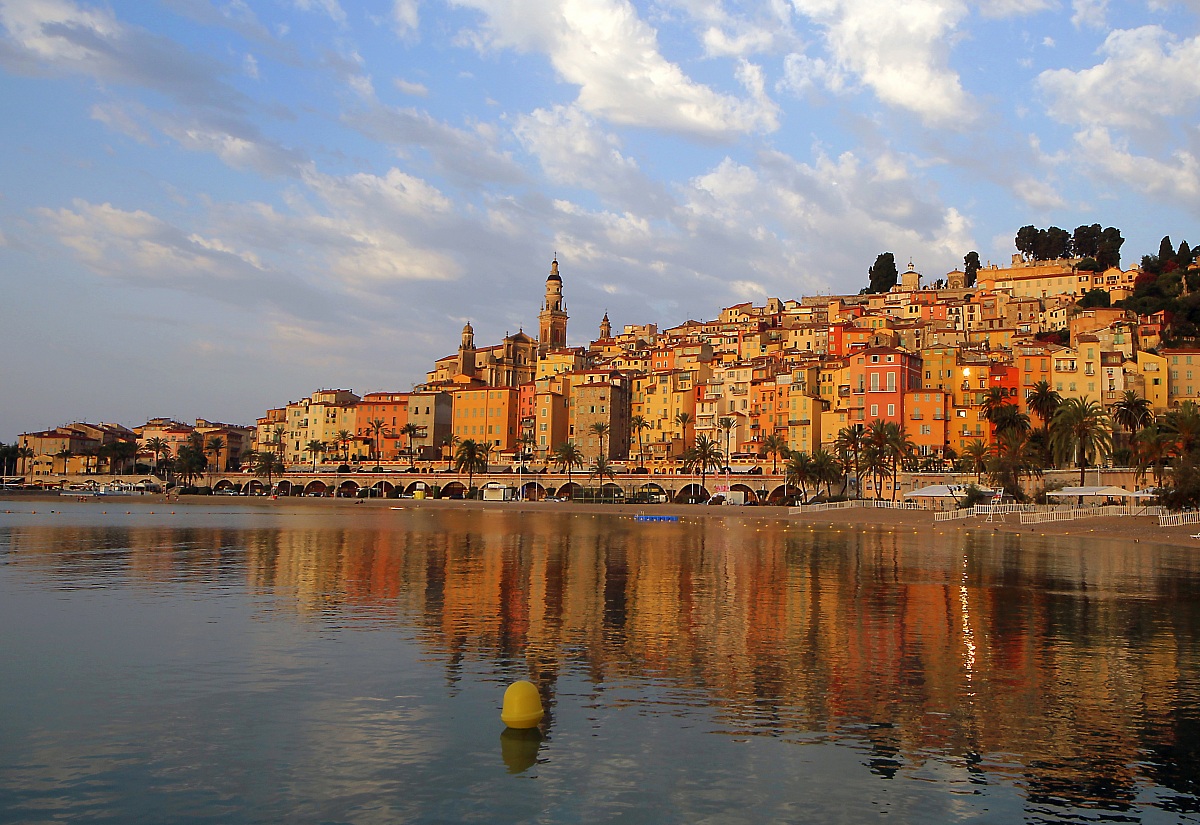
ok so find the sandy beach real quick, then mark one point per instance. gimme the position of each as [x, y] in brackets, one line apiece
[1135, 529]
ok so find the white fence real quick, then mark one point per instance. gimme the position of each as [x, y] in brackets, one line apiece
[952, 515]
[1073, 513]
[1176, 519]
[846, 505]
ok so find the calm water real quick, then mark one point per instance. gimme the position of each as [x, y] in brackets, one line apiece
[251, 665]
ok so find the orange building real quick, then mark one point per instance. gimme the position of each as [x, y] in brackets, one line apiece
[390, 408]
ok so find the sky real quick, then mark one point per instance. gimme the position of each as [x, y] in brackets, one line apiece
[209, 208]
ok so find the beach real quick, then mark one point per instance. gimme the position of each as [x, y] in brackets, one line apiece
[1135, 529]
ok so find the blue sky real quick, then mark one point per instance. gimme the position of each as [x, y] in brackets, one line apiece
[209, 208]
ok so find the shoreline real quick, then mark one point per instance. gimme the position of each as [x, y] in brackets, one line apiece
[1135, 529]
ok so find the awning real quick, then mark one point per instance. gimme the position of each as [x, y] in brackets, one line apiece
[1097, 492]
[942, 491]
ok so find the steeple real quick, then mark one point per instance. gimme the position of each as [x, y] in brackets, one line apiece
[605, 326]
[552, 320]
[466, 351]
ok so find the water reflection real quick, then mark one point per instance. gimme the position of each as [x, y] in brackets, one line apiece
[1067, 671]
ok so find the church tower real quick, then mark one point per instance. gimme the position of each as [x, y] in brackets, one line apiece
[466, 352]
[605, 327]
[552, 320]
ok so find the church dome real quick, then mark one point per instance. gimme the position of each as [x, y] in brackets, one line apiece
[554, 276]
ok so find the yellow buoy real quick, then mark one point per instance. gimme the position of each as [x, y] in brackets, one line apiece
[522, 706]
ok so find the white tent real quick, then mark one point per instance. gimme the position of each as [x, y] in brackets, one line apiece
[1097, 492]
[954, 491]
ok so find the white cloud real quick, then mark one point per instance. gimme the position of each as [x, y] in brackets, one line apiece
[1037, 193]
[1111, 159]
[802, 73]
[1147, 75]
[899, 51]
[1013, 8]
[405, 17]
[411, 88]
[1089, 13]
[330, 7]
[603, 47]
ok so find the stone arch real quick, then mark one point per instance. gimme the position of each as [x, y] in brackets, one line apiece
[257, 487]
[744, 488]
[316, 486]
[415, 486]
[226, 484]
[283, 487]
[612, 490]
[692, 493]
[778, 495]
[348, 489]
[568, 490]
[455, 489]
[532, 491]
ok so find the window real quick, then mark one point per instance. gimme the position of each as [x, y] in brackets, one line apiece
[891, 410]
[874, 410]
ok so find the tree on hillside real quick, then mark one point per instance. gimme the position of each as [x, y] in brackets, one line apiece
[970, 267]
[883, 274]
[1109, 252]
[1085, 242]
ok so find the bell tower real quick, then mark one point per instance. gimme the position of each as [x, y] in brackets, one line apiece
[605, 326]
[552, 320]
[466, 352]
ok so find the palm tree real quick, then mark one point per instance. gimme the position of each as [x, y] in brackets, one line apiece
[66, 455]
[726, 425]
[1183, 423]
[798, 471]
[448, 444]
[776, 447]
[344, 437]
[1012, 456]
[411, 431]
[850, 443]
[599, 428]
[898, 447]
[157, 447]
[376, 426]
[683, 419]
[1152, 447]
[314, 448]
[1043, 401]
[215, 445]
[601, 468]
[24, 454]
[268, 464]
[876, 463]
[974, 457]
[1009, 417]
[567, 456]
[1132, 412]
[637, 424]
[826, 469]
[1080, 431]
[279, 432]
[704, 454]
[995, 398]
[471, 456]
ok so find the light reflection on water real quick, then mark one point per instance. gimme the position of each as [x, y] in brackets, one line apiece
[251, 665]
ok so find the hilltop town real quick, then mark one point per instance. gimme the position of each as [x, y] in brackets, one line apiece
[758, 381]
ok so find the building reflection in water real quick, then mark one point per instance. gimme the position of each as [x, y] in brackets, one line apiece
[1071, 669]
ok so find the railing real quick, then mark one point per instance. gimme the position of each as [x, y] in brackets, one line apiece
[1176, 519]
[1072, 513]
[821, 508]
[953, 515]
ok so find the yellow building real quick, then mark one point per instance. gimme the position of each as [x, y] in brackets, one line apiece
[659, 397]
[320, 417]
[1183, 365]
[487, 416]
[1153, 369]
